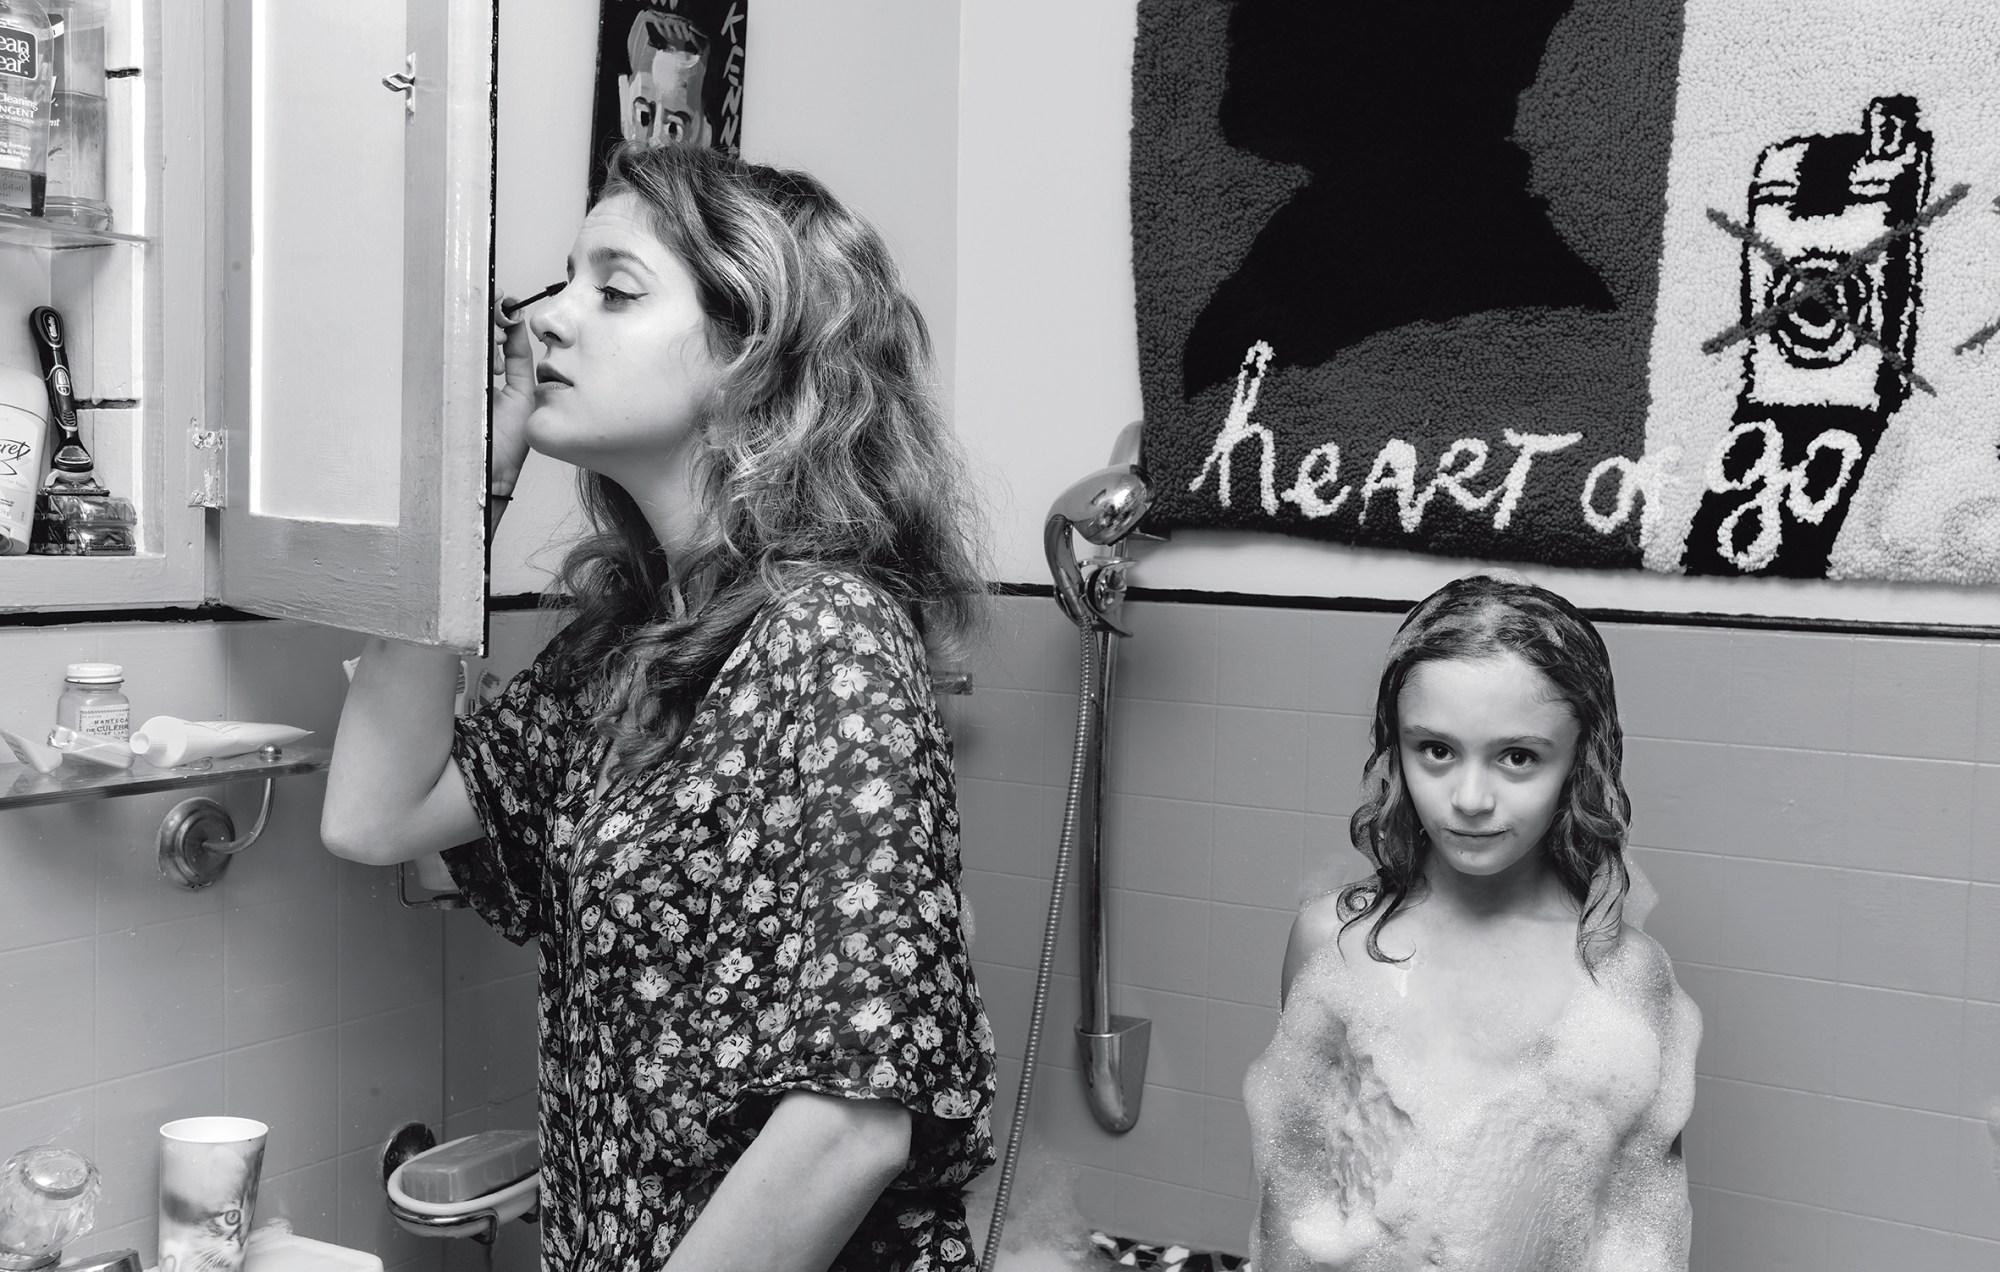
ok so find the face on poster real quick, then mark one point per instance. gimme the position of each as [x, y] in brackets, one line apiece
[668, 71]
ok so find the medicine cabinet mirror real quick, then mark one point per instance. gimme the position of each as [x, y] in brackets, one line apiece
[287, 374]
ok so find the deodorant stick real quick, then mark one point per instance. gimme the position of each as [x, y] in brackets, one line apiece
[24, 431]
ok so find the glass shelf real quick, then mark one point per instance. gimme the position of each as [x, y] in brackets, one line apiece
[34, 231]
[21, 786]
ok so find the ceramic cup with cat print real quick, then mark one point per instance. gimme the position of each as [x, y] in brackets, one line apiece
[209, 1168]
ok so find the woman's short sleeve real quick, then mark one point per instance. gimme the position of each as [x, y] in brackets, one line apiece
[882, 1003]
[510, 754]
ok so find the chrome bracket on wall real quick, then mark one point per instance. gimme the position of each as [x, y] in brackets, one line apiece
[198, 838]
[1114, 1070]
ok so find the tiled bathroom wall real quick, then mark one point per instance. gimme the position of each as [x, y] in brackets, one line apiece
[296, 990]
[1815, 812]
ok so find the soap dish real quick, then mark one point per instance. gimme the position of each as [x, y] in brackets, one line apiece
[478, 1216]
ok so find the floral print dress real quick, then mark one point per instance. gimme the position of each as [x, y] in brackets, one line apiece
[774, 909]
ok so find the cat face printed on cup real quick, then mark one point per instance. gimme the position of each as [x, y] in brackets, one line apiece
[209, 1170]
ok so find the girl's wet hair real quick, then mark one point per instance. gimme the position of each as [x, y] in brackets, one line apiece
[825, 446]
[1478, 617]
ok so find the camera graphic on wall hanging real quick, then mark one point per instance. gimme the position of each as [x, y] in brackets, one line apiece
[1699, 287]
[1832, 272]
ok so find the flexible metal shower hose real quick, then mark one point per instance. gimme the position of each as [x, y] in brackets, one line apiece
[1086, 723]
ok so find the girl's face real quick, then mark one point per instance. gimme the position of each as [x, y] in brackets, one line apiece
[1486, 745]
[627, 372]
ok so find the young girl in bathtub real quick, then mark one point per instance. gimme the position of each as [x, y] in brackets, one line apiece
[1481, 1064]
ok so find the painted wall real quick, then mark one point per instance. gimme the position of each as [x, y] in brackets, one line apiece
[296, 990]
[1815, 813]
[1048, 366]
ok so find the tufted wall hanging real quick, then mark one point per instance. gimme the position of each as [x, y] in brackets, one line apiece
[1695, 286]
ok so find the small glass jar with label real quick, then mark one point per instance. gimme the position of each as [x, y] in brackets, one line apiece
[93, 701]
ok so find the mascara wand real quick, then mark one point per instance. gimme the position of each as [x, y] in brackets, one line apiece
[513, 307]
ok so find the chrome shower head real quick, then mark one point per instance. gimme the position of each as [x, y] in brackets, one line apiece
[1105, 506]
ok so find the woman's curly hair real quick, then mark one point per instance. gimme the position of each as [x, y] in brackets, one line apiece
[824, 446]
[1472, 618]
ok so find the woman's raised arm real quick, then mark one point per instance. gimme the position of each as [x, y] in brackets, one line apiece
[394, 793]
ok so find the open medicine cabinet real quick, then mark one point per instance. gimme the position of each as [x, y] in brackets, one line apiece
[284, 363]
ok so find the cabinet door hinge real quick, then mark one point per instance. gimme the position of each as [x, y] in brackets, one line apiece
[207, 451]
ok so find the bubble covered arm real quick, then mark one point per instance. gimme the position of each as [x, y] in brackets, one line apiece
[1646, 1223]
[1317, 927]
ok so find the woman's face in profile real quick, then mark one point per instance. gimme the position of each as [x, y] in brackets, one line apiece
[626, 373]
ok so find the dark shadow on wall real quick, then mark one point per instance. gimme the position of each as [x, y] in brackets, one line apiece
[1419, 206]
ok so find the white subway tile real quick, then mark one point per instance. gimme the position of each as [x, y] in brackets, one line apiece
[306, 1198]
[159, 995]
[1893, 1163]
[389, 957]
[1779, 918]
[1344, 667]
[279, 969]
[1773, 1030]
[1765, 1140]
[123, 835]
[1735, 1232]
[177, 669]
[1915, 697]
[1982, 943]
[1246, 953]
[490, 1042]
[1158, 845]
[293, 1086]
[1159, 942]
[130, 1113]
[1979, 1089]
[1908, 816]
[1672, 681]
[1014, 735]
[67, 1120]
[1987, 748]
[1899, 1048]
[1687, 919]
[1162, 748]
[1171, 654]
[1165, 1145]
[1225, 1223]
[362, 1218]
[1263, 656]
[1899, 932]
[1009, 913]
[1757, 802]
[51, 874]
[1061, 1121]
[1031, 646]
[1157, 1212]
[1256, 856]
[391, 1072]
[1985, 846]
[1179, 1042]
[1790, 690]
[1260, 757]
[289, 861]
[1237, 1033]
[474, 954]
[1857, 1243]
[1011, 827]
[1337, 748]
[35, 658]
[1225, 1148]
[1977, 1212]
